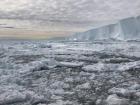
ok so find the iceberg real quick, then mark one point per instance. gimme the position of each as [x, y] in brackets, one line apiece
[124, 29]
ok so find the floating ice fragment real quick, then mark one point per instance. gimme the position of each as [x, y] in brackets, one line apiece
[115, 100]
[11, 97]
[71, 64]
[94, 67]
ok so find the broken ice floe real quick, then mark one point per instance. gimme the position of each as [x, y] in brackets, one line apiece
[66, 73]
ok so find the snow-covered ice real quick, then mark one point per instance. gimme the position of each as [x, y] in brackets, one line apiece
[115, 100]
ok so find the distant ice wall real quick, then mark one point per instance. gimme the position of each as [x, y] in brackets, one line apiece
[129, 28]
[124, 29]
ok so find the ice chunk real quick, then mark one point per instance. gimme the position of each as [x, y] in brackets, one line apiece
[115, 100]
[41, 104]
[11, 97]
[71, 64]
[39, 66]
[120, 91]
[135, 86]
[84, 86]
[130, 66]
[94, 68]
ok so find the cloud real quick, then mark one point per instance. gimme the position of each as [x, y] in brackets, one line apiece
[69, 10]
[13, 5]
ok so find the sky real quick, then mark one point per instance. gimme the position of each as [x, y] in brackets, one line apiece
[67, 15]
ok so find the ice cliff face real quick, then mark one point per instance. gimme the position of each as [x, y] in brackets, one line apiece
[124, 29]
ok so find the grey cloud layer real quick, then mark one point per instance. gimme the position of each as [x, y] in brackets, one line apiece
[73, 10]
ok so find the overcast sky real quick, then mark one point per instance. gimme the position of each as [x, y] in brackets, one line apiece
[70, 10]
[68, 14]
